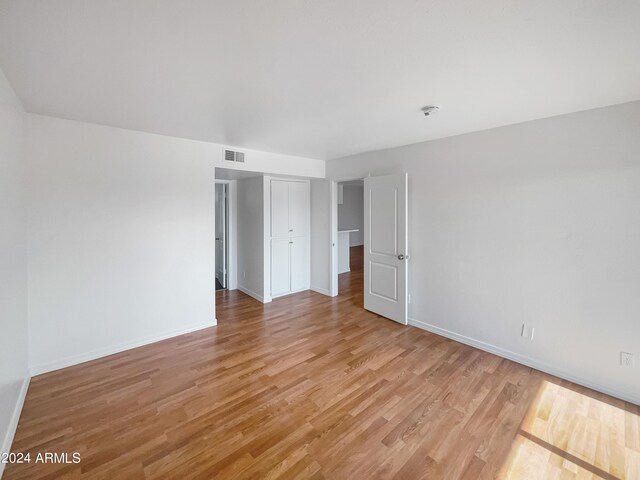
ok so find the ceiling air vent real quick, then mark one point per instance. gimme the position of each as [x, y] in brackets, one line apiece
[231, 156]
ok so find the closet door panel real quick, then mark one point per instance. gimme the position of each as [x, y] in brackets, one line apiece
[298, 209]
[280, 267]
[279, 208]
[299, 263]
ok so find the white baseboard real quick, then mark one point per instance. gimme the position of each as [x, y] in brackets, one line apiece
[291, 292]
[103, 352]
[7, 441]
[321, 290]
[253, 294]
[524, 360]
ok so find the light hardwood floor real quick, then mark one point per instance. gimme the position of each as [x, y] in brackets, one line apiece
[316, 387]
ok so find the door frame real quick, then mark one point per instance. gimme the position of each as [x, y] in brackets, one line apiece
[333, 229]
[225, 233]
[230, 230]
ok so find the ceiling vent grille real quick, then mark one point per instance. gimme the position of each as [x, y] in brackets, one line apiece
[231, 156]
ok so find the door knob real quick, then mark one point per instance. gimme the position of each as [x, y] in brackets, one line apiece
[401, 257]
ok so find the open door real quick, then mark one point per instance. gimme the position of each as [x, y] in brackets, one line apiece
[385, 246]
[221, 233]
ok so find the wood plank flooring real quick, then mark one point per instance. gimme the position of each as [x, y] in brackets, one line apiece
[316, 387]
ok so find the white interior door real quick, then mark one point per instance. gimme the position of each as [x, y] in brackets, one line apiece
[221, 234]
[385, 246]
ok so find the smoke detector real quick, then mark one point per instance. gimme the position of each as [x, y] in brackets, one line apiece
[430, 110]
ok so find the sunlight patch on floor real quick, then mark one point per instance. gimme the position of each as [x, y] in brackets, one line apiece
[567, 434]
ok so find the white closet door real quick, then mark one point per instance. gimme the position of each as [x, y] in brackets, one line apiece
[280, 270]
[279, 208]
[299, 263]
[298, 208]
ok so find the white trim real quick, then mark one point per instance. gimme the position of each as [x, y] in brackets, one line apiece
[524, 360]
[287, 179]
[304, 289]
[13, 423]
[266, 236]
[253, 294]
[103, 352]
[321, 290]
[333, 238]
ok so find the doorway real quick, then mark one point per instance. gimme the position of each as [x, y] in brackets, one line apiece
[230, 232]
[385, 271]
[350, 234]
[221, 235]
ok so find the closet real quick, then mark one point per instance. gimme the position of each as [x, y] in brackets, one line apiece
[289, 236]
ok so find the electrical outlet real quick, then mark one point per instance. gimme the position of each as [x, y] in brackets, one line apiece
[626, 359]
[527, 331]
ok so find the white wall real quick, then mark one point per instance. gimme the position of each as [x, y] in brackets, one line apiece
[14, 372]
[351, 213]
[320, 235]
[121, 245]
[250, 239]
[265, 162]
[121, 236]
[535, 223]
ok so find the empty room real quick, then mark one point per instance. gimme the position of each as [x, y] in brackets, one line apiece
[319, 239]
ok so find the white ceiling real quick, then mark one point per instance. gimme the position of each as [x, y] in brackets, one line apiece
[322, 78]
